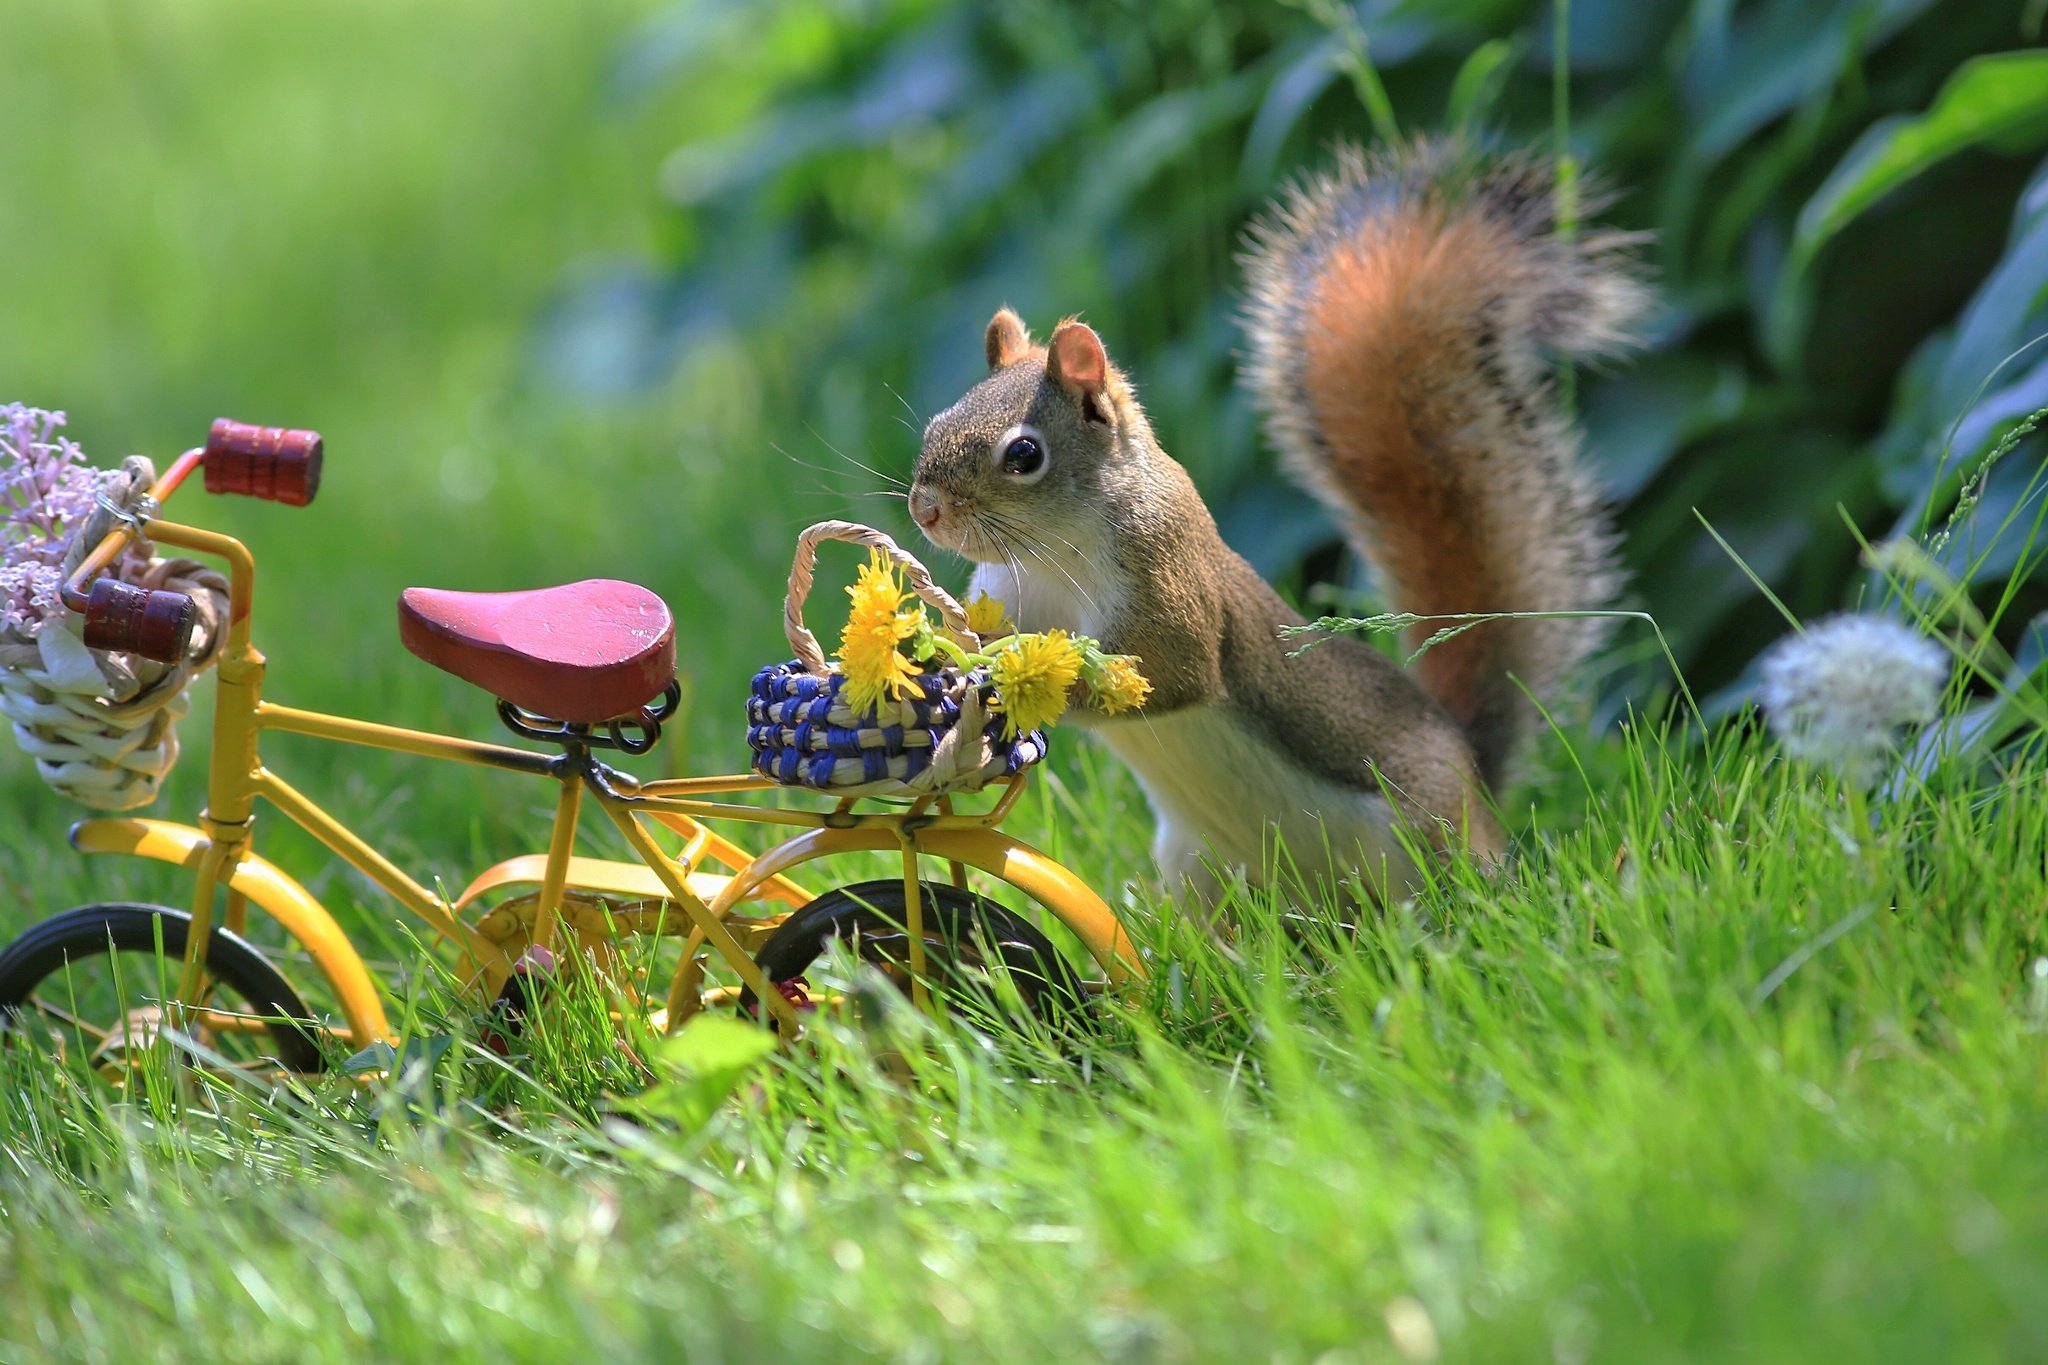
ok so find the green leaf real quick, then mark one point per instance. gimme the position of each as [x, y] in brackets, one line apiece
[1976, 731]
[1965, 389]
[1774, 58]
[1274, 524]
[2030, 660]
[709, 1045]
[2003, 315]
[380, 1056]
[1301, 82]
[1995, 98]
[1637, 421]
[1160, 134]
[1999, 525]
[1479, 81]
[711, 1057]
[409, 1091]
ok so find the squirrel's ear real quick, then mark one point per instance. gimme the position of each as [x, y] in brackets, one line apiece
[1007, 338]
[1076, 361]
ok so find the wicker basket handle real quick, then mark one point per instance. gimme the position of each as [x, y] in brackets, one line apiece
[951, 614]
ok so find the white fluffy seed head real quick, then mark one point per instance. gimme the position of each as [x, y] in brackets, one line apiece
[1840, 693]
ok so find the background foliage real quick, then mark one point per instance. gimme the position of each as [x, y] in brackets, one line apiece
[663, 286]
[1840, 197]
[636, 288]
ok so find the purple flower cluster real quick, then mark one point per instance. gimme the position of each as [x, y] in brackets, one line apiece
[47, 490]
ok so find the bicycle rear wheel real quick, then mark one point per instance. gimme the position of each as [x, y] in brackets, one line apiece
[982, 959]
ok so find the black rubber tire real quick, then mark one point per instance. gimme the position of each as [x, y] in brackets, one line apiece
[873, 914]
[129, 927]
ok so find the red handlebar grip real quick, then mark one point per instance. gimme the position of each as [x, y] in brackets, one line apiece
[276, 463]
[131, 620]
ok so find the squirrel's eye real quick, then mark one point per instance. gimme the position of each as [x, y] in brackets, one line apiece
[1020, 455]
[1023, 457]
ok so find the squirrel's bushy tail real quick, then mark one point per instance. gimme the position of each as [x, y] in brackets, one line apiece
[1404, 311]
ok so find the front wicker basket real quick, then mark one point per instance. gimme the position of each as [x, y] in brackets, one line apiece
[101, 727]
[946, 739]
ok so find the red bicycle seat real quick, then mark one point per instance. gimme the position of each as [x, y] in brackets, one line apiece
[583, 653]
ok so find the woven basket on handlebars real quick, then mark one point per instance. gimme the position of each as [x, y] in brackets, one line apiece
[944, 739]
[102, 727]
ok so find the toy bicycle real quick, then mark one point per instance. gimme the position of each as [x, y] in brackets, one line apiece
[579, 672]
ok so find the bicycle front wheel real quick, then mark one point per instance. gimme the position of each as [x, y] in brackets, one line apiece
[93, 986]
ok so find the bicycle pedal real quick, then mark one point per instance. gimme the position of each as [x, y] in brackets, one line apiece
[530, 976]
[796, 991]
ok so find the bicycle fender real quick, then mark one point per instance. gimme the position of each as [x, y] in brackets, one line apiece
[277, 894]
[1072, 901]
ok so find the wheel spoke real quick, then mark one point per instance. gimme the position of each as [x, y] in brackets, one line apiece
[65, 1017]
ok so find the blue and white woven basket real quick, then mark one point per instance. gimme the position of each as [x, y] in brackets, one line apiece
[946, 738]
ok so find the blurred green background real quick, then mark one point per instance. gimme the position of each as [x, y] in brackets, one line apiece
[639, 288]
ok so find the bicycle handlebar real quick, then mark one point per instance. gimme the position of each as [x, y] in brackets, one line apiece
[131, 620]
[275, 463]
[279, 464]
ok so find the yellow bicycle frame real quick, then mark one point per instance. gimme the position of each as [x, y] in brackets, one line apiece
[221, 855]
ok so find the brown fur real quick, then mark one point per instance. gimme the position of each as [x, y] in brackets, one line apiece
[1203, 624]
[1400, 315]
[1394, 328]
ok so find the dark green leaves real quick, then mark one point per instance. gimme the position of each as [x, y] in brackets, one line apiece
[1999, 101]
[1836, 194]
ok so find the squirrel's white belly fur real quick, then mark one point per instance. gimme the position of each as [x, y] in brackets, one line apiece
[1052, 598]
[1219, 791]
[1222, 793]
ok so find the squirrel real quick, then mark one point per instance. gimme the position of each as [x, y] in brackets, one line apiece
[1401, 310]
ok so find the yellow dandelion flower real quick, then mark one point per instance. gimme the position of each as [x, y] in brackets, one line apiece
[1122, 687]
[876, 671]
[1032, 677]
[985, 614]
[877, 592]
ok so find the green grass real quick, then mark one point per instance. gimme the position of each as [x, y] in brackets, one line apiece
[1708, 1072]
[1707, 1076]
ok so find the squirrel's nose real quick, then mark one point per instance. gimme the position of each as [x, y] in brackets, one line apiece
[924, 507]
